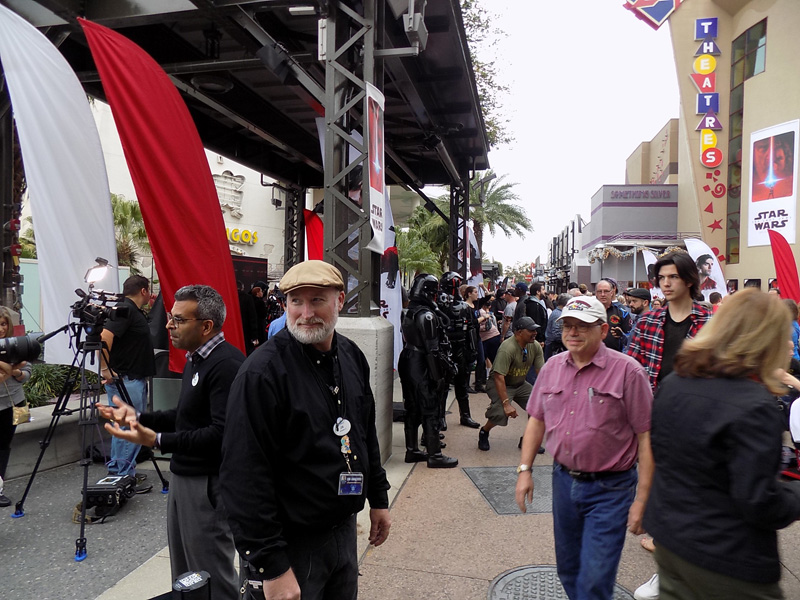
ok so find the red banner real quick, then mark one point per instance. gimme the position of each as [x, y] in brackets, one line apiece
[313, 234]
[170, 172]
[785, 266]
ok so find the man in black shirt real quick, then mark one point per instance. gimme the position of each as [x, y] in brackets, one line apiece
[198, 532]
[130, 358]
[300, 452]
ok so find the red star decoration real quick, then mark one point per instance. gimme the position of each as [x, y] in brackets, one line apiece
[716, 225]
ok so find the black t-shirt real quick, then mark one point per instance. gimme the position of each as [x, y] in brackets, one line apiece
[132, 350]
[674, 334]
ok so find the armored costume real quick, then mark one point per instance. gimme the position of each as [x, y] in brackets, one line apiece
[463, 334]
[424, 369]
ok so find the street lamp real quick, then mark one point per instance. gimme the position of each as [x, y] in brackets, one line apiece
[482, 184]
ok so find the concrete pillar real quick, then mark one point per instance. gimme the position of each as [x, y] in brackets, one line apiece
[375, 337]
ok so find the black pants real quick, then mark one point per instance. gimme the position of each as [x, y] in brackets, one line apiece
[6, 434]
[324, 563]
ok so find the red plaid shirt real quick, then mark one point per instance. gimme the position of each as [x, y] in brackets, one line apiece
[647, 340]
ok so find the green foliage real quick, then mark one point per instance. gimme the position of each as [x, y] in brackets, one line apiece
[47, 381]
[415, 255]
[482, 37]
[430, 229]
[129, 230]
[27, 240]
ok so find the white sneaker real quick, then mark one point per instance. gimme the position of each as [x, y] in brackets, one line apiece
[648, 591]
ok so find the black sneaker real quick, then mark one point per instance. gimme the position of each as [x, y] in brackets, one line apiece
[144, 489]
[483, 440]
[141, 478]
[4, 501]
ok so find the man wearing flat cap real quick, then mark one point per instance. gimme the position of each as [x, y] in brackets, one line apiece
[594, 406]
[300, 452]
[507, 384]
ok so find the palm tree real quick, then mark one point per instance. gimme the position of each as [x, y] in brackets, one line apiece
[498, 209]
[431, 229]
[415, 256]
[27, 240]
[129, 231]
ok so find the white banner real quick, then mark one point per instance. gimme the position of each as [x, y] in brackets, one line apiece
[64, 169]
[474, 263]
[391, 294]
[649, 261]
[712, 279]
[377, 172]
[773, 187]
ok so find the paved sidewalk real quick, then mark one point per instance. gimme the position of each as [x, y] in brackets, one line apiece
[447, 541]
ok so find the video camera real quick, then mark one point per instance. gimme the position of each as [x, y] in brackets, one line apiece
[91, 310]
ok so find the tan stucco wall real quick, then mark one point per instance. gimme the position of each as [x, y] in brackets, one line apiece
[770, 98]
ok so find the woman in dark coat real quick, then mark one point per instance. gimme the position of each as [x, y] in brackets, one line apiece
[716, 502]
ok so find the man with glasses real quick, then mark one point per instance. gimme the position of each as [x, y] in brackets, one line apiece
[198, 532]
[619, 319]
[514, 359]
[594, 405]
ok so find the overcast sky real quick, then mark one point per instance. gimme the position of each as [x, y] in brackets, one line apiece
[589, 82]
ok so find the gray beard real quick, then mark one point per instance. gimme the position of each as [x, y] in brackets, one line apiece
[312, 337]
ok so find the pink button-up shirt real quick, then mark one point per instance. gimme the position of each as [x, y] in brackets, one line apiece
[592, 415]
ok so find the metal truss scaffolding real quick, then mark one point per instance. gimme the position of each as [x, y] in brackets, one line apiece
[348, 40]
[459, 216]
[294, 227]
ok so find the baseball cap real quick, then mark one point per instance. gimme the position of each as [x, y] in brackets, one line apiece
[525, 323]
[311, 273]
[521, 287]
[584, 308]
[640, 293]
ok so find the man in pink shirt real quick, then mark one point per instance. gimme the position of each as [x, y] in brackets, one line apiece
[593, 406]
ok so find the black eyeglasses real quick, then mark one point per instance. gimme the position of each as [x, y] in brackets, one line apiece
[180, 320]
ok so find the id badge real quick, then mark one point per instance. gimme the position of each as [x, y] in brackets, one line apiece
[351, 484]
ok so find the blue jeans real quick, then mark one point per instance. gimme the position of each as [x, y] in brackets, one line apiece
[589, 520]
[123, 454]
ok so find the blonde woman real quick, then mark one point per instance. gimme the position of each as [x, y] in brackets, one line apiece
[716, 502]
[11, 393]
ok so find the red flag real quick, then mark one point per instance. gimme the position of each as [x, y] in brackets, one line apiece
[313, 234]
[785, 266]
[170, 172]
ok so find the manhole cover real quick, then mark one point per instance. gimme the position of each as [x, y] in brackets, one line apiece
[536, 583]
[497, 485]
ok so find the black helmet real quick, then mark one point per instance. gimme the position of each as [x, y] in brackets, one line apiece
[449, 284]
[424, 287]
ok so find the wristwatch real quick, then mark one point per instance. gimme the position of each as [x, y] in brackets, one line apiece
[523, 468]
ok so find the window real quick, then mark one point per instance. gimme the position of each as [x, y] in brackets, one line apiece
[748, 58]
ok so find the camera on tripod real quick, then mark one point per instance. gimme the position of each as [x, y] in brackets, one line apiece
[92, 309]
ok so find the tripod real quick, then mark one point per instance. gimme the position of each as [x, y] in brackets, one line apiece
[87, 411]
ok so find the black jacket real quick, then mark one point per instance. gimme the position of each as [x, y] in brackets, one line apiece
[192, 432]
[281, 458]
[716, 500]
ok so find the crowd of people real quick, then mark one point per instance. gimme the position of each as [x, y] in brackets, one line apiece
[666, 420]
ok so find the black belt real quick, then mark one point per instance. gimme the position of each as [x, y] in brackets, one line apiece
[591, 476]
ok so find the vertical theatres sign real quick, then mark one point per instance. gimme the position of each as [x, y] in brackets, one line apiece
[705, 79]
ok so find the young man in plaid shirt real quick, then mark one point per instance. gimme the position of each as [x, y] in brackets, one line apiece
[658, 335]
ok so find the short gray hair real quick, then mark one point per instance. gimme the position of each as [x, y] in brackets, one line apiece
[562, 299]
[210, 306]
